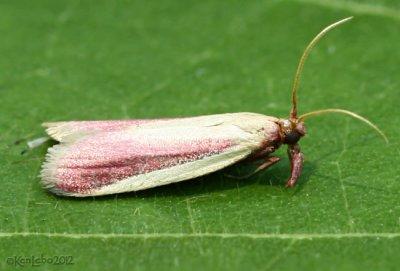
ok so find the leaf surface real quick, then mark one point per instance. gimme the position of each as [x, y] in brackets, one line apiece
[69, 60]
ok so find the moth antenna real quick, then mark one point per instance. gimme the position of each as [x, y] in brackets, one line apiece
[342, 111]
[296, 80]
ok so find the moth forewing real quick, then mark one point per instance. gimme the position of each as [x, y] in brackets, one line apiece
[149, 154]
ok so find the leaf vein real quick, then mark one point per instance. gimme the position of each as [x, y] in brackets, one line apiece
[290, 236]
[356, 8]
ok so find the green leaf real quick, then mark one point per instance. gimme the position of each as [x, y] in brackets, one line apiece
[71, 60]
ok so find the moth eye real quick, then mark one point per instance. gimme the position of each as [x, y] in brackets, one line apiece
[292, 137]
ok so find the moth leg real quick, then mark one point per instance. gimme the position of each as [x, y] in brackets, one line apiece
[269, 161]
[296, 164]
[263, 154]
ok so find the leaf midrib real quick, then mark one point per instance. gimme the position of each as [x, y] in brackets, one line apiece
[291, 236]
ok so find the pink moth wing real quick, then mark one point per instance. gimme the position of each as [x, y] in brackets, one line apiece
[103, 157]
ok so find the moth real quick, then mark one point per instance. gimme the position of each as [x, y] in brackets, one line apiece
[106, 157]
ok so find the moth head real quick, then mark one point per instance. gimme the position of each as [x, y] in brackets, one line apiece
[291, 131]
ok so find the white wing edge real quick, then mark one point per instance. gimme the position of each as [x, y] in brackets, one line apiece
[67, 131]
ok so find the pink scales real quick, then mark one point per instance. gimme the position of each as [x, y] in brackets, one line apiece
[98, 153]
